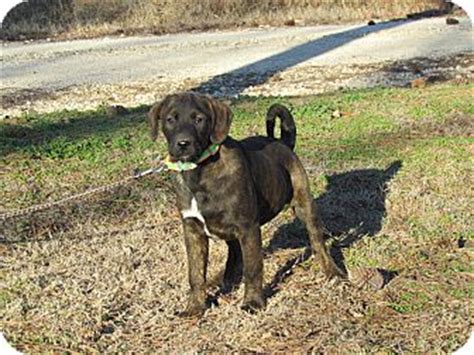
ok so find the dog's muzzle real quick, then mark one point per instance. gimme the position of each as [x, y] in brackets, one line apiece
[184, 148]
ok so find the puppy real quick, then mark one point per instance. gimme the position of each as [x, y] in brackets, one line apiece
[227, 189]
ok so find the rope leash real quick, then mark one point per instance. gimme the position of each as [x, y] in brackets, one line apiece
[104, 188]
[164, 164]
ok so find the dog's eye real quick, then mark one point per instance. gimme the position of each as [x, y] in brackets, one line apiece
[170, 119]
[198, 119]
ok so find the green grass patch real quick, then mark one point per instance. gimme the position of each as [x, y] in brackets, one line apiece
[410, 301]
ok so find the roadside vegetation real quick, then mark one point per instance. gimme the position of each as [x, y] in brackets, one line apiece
[92, 18]
[391, 170]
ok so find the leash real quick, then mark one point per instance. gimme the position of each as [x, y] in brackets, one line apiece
[167, 164]
[104, 188]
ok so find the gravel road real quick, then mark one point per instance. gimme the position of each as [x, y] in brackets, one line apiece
[45, 76]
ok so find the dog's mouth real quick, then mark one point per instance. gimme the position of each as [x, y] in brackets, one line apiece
[185, 154]
[185, 158]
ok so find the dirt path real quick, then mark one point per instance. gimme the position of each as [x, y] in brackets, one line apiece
[294, 60]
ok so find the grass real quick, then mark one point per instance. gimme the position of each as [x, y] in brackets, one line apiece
[392, 177]
[90, 18]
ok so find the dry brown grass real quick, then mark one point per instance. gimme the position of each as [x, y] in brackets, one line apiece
[109, 274]
[87, 18]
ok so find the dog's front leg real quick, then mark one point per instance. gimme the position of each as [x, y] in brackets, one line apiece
[197, 248]
[251, 244]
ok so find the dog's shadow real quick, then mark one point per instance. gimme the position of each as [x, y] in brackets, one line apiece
[351, 208]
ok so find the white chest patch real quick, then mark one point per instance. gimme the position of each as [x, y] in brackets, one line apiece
[193, 212]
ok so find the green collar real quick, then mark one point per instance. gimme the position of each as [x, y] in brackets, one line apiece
[185, 166]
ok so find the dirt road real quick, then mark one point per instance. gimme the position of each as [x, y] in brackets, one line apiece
[286, 61]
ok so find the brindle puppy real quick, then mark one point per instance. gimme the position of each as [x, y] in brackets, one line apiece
[232, 193]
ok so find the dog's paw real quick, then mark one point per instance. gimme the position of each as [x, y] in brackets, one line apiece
[253, 306]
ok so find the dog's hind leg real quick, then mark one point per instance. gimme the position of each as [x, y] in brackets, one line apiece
[307, 212]
[251, 244]
[233, 266]
[197, 248]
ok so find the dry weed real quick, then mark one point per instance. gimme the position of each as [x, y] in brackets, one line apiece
[90, 18]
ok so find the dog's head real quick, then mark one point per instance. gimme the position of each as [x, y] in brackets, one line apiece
[191, 123]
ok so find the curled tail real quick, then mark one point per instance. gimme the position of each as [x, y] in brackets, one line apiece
[288, 128]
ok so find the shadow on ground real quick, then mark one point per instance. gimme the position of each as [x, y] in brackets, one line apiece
[351, 208]
[421, 71]
[73, 125]
[236, 81]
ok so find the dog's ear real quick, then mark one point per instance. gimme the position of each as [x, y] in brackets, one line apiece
[154, 119]
[222, 119]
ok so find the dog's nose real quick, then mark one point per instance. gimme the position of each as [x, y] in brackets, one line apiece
[183, 143]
